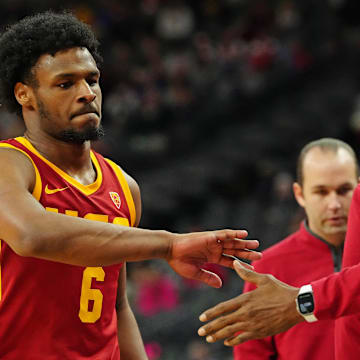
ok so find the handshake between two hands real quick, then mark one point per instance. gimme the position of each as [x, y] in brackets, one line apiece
[266, 311]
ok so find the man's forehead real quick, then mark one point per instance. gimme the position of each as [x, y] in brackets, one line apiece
[316, 153]
[68, 60]
[319, 162]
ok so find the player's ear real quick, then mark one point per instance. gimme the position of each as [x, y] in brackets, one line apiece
[298, 193]
[23, 94]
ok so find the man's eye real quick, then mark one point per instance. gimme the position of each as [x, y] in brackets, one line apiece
[343, 191]
[65, 85]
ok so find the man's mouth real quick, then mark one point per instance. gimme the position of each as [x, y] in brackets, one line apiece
[337, 220]
[84, 112]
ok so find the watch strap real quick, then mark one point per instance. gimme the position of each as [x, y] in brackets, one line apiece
[308, 317]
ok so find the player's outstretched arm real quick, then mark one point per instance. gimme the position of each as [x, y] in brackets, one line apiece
[31, 231]
[265, 311]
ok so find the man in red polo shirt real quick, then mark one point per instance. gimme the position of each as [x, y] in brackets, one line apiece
[327, 174]
[275, 306]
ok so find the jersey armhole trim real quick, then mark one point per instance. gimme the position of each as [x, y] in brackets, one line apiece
[38, 185]
[0, 271]
[126, 189]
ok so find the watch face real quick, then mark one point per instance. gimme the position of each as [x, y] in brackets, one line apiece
[306, 303]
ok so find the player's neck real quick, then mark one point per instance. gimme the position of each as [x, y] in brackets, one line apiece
[74, 159]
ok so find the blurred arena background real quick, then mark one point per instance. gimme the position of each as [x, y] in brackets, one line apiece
[206, 105]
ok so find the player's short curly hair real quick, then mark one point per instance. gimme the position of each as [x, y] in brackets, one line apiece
[24, 42]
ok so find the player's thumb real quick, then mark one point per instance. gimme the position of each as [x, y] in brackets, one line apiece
[246, 274]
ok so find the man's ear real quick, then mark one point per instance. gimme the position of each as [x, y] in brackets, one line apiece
[23, 94]
[298, 193]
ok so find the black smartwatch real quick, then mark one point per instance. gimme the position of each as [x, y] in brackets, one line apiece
[305, 303]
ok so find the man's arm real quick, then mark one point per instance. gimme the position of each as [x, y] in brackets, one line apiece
[30, 230]
[337, 295]
[266, 311]
[270, 309]
[130, 341]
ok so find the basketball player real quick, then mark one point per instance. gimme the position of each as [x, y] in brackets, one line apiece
[67, 215]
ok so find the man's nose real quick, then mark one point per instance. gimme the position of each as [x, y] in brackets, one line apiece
[86, 93]
[334, 202]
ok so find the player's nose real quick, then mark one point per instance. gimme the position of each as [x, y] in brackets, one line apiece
[86, 93]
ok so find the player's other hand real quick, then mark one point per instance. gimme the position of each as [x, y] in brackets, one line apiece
[190, 252]
[265, 311]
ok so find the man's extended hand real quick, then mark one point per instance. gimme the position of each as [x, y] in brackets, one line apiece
[265, 311]
[189, 252]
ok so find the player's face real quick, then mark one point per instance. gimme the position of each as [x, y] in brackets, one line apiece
[68, 95]
[329, 180]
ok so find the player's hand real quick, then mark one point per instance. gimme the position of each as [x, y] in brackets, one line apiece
[189, 252]
[265, 311]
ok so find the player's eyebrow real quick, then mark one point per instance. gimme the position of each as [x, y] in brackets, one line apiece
[71, 75]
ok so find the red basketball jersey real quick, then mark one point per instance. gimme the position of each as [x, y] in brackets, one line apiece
[50, 310]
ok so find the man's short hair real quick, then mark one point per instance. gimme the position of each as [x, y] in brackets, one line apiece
[325, 144]
[24, 42]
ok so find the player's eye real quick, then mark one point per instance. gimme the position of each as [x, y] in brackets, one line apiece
[65, 85]
[92, 82]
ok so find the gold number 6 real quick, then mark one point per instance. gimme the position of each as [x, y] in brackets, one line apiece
[87, 294]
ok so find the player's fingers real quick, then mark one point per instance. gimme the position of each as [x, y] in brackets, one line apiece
[208, 278]
[222, 308]
[240, 244]
[228, 261]
[249, 244]
[243, 254]
[228, 235]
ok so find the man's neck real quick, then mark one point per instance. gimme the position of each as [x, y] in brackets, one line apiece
[336, 240]
[74, 159]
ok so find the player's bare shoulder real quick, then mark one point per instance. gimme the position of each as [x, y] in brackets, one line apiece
[16, 169]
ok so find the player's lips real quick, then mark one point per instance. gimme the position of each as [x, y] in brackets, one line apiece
[87, 110]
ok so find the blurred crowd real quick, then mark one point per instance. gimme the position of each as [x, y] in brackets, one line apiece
[206, 104]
